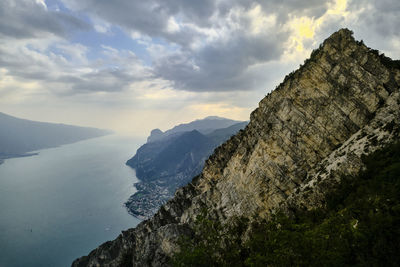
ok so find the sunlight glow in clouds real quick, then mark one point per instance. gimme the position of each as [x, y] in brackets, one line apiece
[157, 63]
[304, 28]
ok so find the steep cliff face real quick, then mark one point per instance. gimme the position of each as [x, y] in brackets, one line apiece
[342, 104]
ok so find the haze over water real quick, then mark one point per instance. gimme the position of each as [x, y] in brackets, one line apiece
[62, 203]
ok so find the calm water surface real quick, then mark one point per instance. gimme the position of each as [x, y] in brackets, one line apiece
[61, 204]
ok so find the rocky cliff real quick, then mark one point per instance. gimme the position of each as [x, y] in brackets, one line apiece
[343, 103]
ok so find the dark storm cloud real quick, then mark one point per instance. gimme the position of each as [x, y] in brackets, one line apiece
[103, 81]
[106, 80]
[149, 17]
[378, 17]
[222, 66]
[281, 8]
[27, 19]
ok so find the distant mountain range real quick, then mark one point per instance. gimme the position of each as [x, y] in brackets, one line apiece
[170, 159]
[19, 136]
[204, 126]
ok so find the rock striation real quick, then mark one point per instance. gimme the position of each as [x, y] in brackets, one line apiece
[343, 103]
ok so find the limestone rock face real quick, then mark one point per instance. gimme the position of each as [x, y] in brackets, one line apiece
[342, 104]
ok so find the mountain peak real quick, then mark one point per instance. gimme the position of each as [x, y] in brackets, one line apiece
[155, 134]
[343, 33]
[339, 40]
[204, 126]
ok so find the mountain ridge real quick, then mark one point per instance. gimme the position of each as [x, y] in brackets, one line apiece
[204, 126]
[315, 127]
[164, 165]
[19, 136]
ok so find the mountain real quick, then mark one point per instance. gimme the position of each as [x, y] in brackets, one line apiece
[204, 126]
[18, 136]
[313, 134]
[164, 165]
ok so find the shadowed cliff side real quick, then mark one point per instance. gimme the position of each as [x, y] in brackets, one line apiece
[343, 103]
[165, 165]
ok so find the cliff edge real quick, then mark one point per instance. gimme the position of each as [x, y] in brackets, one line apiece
[343, 103]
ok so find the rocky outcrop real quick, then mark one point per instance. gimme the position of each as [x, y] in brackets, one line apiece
[343, 103]
[155, 134]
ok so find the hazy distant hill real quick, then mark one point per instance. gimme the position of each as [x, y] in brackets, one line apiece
[183, 152]
[18, 136]
[204, 126]
[171, 160]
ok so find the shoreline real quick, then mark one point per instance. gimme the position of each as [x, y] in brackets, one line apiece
[150, 196]
[4, 156]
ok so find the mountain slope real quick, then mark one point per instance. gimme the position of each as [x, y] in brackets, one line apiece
[18, 136]
[357, 226]
[164, 165]
[342, 104]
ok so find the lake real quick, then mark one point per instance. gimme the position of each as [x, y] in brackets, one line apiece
[66, 201]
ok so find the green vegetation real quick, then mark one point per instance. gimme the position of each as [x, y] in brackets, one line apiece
[210, 242]
[360, 226]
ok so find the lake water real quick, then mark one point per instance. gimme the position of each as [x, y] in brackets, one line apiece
[64, 202]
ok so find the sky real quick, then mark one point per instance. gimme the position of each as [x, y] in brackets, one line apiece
[134, 65]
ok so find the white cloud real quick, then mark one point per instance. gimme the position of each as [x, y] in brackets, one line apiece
[42, 3]
[173, 26]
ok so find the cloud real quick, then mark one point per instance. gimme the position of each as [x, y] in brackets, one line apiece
[148, 17]
[205, 45]
[36, 55]
[379, 17]
[64, 68]
[199, 46]
[282, 9]
[218, 41]
[221, 66]
[30, 19]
